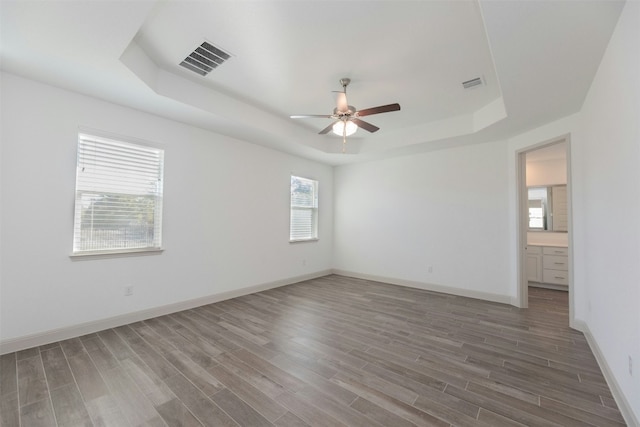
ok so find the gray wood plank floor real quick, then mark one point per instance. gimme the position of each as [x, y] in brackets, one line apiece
[333, 351]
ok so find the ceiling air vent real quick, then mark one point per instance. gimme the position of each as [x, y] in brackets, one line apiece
[204, 59]
[472, 83]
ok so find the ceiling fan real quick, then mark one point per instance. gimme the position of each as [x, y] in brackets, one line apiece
[347, 118]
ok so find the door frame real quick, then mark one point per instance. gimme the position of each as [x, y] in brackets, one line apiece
[523, 220]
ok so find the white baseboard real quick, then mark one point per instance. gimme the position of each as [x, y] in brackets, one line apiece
[487, 296]
[46, 337]
[580, 325]
[622, 402]
[515, 301]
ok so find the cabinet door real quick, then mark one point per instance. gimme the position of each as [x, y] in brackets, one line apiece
[534, 268]
[559, 208]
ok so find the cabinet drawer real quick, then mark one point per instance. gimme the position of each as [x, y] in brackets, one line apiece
[556, 277]
[534, 250]
[555, 262]
[551, 250]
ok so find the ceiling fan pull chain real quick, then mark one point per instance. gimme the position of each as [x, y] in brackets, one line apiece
[344, 139]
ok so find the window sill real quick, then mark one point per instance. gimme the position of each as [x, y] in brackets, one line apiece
[87, 255]
[304, 240]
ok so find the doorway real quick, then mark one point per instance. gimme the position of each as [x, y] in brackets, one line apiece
[544, 212]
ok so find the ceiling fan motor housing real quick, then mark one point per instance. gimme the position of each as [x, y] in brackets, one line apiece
[350, 112]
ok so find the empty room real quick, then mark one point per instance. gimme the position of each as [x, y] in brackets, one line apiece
[459, 245]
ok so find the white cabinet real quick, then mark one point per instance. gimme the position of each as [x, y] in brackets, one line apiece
[534, 263]
[555, 265]
[559, 207]
[548, 265]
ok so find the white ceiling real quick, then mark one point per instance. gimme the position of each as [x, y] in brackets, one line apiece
[537, 59]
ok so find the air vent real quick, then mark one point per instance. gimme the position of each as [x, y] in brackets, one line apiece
[471, 83]
[204, 59]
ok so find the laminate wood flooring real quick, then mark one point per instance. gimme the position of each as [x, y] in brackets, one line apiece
[333, 351]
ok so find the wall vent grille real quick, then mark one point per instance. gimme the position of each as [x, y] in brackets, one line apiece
[204, 59]
[472, 83]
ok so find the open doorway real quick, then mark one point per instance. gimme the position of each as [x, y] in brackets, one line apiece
[545, 222]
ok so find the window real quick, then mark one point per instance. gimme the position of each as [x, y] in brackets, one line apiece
[536, 215]
[118, 197]
[304, 209]
[538, 197]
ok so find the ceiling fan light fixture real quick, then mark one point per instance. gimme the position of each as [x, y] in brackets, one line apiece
[338, 128]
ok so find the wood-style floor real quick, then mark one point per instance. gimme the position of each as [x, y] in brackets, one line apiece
[332, 351]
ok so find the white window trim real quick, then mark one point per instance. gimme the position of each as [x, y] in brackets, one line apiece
[115, 253]
[311, 239]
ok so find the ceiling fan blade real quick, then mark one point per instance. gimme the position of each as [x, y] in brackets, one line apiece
[364, 125]
[311, 116]
[378, 110]
[342, 105]
[328, 128]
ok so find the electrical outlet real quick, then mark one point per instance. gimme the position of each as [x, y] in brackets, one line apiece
[630, 365]
[430, 269]
[128, 291]
[304, 262]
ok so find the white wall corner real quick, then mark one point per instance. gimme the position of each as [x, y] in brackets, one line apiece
[469, 293]
[137, 61]
[491, 113]
[515, 301]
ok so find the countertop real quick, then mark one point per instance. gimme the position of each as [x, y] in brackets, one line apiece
[541, 238]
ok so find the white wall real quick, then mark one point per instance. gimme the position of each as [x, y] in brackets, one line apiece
[605, 155]
[546, 172]
[609, 170]
[446, 209]
[226, 215]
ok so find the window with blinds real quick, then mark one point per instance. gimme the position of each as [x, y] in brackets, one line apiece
[536, 215]
[118, 196]
[304, 209]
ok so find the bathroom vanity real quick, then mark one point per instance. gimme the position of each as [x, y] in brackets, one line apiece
[548, 266]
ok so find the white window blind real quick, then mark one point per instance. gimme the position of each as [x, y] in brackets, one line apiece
[118, 196]
[304, 209]
[536, 214]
